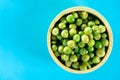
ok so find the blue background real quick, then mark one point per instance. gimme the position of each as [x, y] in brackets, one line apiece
[23, 45]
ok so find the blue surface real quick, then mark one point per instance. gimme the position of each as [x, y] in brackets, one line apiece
[23, 46]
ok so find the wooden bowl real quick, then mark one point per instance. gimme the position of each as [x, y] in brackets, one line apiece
[93, 12]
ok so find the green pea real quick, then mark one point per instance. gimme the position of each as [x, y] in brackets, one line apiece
[96, 60]
[97, 21]
[60, 49]
[70, 18]
[88, 30]
[77, 49]
[103, 48]
[73, 58]
[76, 37]
[64, 42]
[83, 26]
[81, 44]
[55, 31]
[90, 49]
[97, 36]
[85, 38]
[105, 42]
[91, 23]
[57, 54]
[62, 25]
[73, 52]
[83, 67]
[67, 50]
[80, 33]
[104, 35]
[86, 51]
[84, 15]
[78, 22]
[91, 17]
[64, 57]
[83, 51]
[98, 45]
[87, 63]
[71, 43]
[91, 36]
[63, 20]
[75, 14]
[59, 37]
[85, 57]
[100, 53]
[102, 28]
[75, 65]
[72, 32]
[54, 47]
[54, 42]
[68, 63]
[90, 62]
[72, 26]
[54, 38]
[64, 33]
[78, 56]
[95, 29]
[91, 55]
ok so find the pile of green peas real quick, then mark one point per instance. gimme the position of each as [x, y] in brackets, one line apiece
[79, 40]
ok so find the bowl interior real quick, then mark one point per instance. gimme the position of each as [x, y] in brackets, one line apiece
[93, 12]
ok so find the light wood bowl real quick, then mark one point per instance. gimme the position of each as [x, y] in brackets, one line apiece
[95, 13]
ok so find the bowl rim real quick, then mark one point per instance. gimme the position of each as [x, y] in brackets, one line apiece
[93, 12]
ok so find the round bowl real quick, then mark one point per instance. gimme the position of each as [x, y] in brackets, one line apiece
[93, 12]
